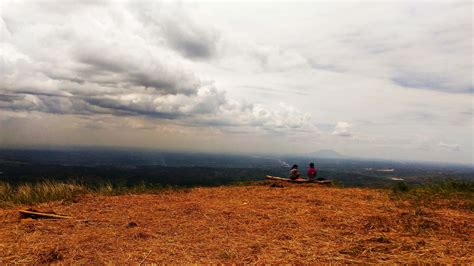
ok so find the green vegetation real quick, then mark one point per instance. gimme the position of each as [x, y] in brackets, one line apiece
[44, 191]
[445, 189]
[28, 193]
[460, 193]
[400, 187]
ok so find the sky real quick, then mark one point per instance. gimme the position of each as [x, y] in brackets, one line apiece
[370, 79]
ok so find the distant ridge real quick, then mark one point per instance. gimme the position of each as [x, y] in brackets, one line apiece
[329, 154]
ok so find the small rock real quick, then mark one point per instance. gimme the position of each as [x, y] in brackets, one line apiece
[276, 185]
[132, 224]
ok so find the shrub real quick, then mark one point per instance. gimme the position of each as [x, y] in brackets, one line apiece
[454, 194]
[400, 187]
[450, 187]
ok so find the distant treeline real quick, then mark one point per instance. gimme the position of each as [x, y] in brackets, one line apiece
[174, 176]
[131, 167]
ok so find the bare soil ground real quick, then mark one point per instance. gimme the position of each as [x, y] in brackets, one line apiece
[249, 224]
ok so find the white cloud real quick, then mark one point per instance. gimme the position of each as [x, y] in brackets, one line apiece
[449, 146]
[342, 129]
[136, 61]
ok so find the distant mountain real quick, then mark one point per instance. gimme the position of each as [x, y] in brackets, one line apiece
[330, 154]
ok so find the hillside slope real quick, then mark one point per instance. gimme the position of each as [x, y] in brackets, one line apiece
[252, 224]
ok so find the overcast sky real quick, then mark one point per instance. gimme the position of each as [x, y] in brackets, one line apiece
[377, 79]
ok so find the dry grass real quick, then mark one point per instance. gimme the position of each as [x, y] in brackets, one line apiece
[50, 190]
[39, 192]
[249, 224]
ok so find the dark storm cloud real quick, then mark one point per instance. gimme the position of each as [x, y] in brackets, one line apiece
[124, 109]
[47, 103]
[78, 105]
[114, 68]
[179, 29]
[147, 81]
[98, 63]
[57, 76]
[36, 92]
[191, 41]
[111, 74]
[9, 98]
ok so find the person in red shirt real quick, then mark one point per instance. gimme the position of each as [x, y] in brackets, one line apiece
[312, 172]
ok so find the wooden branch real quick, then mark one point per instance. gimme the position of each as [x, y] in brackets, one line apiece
[39, 215]
[301, 180]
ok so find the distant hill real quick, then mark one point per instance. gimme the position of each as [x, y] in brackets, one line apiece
[330, 154]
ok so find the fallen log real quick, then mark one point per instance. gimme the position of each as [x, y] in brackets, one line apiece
[41, 215]
[299, 180]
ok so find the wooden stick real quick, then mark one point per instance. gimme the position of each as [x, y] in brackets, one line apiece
[146, 257]
[34, 214]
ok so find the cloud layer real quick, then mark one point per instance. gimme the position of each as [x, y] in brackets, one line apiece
[387, 80]
[119, 59]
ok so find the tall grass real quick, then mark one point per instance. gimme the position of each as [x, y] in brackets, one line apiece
[39, 192]
[45, 191]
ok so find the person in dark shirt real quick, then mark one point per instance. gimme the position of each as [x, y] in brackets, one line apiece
[294, 172]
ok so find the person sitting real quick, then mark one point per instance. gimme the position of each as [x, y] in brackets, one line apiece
[294, 172]
[312, 172]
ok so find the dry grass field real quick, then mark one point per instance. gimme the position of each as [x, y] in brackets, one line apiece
[246, 224]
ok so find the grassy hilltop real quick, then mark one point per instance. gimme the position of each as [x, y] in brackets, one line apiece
[250, 224]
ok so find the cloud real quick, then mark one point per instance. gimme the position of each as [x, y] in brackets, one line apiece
[135, 62]
[413, 44]
[180, 29]
[191, 41]
[342, 129]
[250, 69]
[449, 146]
